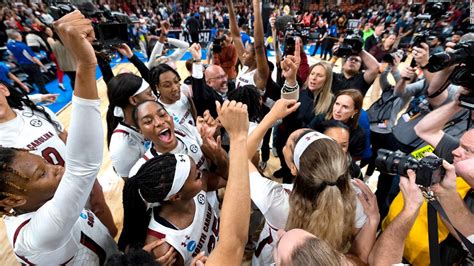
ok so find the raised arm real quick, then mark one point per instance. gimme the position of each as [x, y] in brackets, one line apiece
[451, 201]
[53, 221]
[280, 109]
[234, 225]
[234, 31]
[125, 50]
[181, 46]
[430, 128]
[372, 66]
[388, 248]
[261, 75]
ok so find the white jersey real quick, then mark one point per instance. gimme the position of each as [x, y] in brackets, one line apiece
[272, 199]
[127, 145]
[189, 142]
[61, 231]
[245, 77]
[89, 242]
[31, 130]
[201, 235]
[180, 111]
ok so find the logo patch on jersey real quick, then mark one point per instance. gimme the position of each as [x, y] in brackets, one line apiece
[193, 148]
[201, 199]
[189, 245]
[36, 122]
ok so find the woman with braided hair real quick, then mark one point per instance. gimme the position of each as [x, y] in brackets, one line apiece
[170, 198]
[47, 223]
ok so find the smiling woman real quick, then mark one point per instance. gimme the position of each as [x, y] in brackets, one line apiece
[47, 222]
[179, 106]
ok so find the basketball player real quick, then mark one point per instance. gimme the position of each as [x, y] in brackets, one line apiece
[275, 200]
[255, 69]
[126, 144]
[177, 104]
[157, 125]
[27, 126]
[47, 224]
[182, 207]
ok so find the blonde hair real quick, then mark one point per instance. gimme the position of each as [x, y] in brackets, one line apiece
[323, 96]
[322, 201]
[317, 251]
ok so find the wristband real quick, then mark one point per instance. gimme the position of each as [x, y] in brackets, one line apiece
[196, 60]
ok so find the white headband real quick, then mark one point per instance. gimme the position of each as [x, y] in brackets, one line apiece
[118, 111]
[303, 144]
[183, 168]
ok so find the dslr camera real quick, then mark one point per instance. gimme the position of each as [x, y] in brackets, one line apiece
[292, 31]
[217, 44]
[388, 58]
[109, 30]
[463, 75]
[429, 170]
[352, 44]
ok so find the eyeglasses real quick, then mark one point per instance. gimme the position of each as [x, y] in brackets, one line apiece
[354, 59]
[219, 77]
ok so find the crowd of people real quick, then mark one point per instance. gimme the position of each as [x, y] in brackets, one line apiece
[193, 150]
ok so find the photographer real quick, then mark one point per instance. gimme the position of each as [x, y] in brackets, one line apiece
[225, 55]
[430, 129]
[388, 249]
[351, 76]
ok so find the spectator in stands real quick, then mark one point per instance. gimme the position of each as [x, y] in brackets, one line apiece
[436, 44]
[386, 47]
[7, 77]
[244, 34]
[26, 59]
[375, 38]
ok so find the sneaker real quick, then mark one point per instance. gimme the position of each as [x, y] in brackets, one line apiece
[61, 87]
[262, 165]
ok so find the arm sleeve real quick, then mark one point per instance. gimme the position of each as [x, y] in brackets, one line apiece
[411, 89]
[142, 68]
[271, 199]
[157, 50]
[123, 155]
[178, 53]
[35, 98]
[51, 226]
[446, 146]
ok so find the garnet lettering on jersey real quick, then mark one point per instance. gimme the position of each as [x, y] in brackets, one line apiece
[37, 142]
[205, 232]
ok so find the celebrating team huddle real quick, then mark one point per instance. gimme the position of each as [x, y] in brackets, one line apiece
[193, 155]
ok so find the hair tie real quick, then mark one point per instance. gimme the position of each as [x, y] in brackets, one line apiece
[118, 112]
[303, 144]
